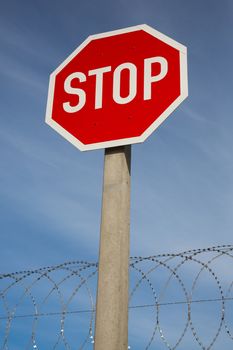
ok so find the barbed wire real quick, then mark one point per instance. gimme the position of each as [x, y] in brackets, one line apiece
[67, 291]
[130, 307]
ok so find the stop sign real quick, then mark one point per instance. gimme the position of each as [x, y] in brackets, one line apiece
[116, 88]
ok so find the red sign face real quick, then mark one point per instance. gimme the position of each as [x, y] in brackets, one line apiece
[117, 88]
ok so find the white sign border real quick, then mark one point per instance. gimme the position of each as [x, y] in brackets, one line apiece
[121, 142]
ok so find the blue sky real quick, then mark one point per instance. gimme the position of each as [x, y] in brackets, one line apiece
[50, 193]
[181, 176]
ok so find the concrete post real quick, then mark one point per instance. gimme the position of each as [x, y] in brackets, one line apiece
[111, 328]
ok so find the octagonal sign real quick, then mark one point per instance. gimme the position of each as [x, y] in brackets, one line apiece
[116, 88]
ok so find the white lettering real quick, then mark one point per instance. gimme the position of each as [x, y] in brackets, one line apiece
[131, 68]
[132, 83]
[99, 72]
[148, 78]
[74, 91]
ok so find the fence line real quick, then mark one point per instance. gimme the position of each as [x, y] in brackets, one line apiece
[181, 282]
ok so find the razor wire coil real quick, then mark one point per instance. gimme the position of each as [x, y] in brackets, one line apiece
[183, 280]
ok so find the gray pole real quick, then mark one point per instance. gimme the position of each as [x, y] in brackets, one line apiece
[111, 328]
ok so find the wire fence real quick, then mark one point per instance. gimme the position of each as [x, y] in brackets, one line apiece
[177, 301]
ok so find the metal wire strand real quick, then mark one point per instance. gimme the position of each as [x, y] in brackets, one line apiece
[202, 276]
